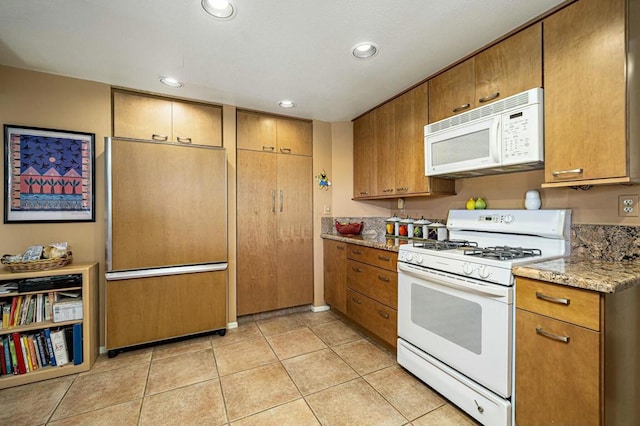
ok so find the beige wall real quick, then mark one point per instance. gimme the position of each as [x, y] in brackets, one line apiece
[322, 151]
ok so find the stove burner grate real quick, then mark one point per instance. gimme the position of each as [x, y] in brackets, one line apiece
[503, 252]
[444, 244]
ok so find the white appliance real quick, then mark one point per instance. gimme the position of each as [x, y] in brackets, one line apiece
[456, 303]
[504, 136]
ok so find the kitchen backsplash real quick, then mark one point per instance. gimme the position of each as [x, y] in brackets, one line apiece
[604, 242]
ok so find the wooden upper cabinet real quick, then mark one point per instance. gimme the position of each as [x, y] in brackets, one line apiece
[364, 166]
[452, 92]
[586, 99]
[384, 140]
[509, 67]
[505, 69]
[261, 132]
[140, 116]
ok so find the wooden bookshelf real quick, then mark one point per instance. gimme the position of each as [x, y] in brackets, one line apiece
[89, 321]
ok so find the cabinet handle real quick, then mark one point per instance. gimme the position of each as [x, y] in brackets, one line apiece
[461, 108]
[557, 174]
[281, 200]
[159, 137]
[563, 339]
[354, 251]
[356, 269]
[183, 140]
[388, 190]
[384, 258]
[383, 314]
[364, 193]
[273, 201]
[402, 189]
[489, 97]
[285, 150]
[340, 247]
[268, 148]
[552, 299]
[359, 302]
[383, 278]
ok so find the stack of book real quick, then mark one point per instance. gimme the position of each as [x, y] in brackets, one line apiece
[27, 309]
[21, 353]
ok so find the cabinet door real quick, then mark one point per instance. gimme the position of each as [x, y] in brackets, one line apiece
[410, 119]
[452, 92]
[294, 137]
[335, 274]
[141, 117]
[198, 124]
[255, 131]
[557, 382]
[384, 139]
[364, 153]
[585, 99]
[256, 234]
[509, 67]
[295, 230]
[379, 284]
[375, 317]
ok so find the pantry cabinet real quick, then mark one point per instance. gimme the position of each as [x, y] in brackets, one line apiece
[504, 69]
[389, 150]
[572, 364]
[259, 132]
[591, 93]
[140, 116]
[275, 225]
[335, 274]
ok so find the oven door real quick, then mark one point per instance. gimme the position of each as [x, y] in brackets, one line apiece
[466, 324]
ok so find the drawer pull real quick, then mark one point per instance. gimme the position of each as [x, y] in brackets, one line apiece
[340, 247]
[159, 137]
[356, 269]
[402, 189]
[285, 150]
[383, 314]
[183, 140]
[359, 302]
[388, 190]
[567, 172]
[461, 107]
[383, 278]
[268, 148]
[553, 299]
[489, 97]
[364, 193]
[384, 258]
[563, 339]
[356, 252]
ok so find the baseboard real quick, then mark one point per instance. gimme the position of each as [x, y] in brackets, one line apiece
[320, 308]
[102, 350]
[231, 325]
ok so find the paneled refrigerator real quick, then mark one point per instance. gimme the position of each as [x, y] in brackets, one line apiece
[166, 241]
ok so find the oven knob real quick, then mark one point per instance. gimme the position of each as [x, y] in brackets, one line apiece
[508, 218]
[409, 256]
[467, 269]
[483, 272]
[418, 258]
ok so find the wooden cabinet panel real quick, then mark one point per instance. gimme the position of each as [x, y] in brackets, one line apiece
[380, 258]
[335, 274]
[580, 307]
[585, 92]
[384, 140]
[509, 67]
[255, 131]
[197, 124]
[556, 382]
[375, 317]
[364, 154]
[256, 232]
[379, 284]
[294, 137]
[452, 92]
[146, 310]
[141, 117]
[295, 230]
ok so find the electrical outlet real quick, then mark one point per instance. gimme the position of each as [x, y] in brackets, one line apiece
[628, 205]
[327, 209]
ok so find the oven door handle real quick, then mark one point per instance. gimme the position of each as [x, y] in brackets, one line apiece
[452, 281]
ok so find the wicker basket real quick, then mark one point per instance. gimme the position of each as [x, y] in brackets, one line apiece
[37, 265]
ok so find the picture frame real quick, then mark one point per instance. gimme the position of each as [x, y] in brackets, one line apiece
[49, 175]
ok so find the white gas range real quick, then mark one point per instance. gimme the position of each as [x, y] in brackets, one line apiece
[455, 303]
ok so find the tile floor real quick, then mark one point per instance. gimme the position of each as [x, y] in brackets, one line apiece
[296, 369]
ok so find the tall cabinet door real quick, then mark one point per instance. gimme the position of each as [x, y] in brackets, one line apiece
[256, 218]
[295, 222]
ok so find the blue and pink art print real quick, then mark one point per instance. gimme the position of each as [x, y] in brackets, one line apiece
[48, 175]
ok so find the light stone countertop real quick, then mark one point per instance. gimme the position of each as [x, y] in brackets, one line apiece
[374, 240]
[591, 274]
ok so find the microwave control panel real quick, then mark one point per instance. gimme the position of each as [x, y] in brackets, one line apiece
[522, 135]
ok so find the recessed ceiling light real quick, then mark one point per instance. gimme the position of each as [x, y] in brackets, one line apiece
[286, 104]
[222, 9]
[170, 81]
[364, 50]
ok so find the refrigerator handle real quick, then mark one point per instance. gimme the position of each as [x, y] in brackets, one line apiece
[273, 201]
[281, 200]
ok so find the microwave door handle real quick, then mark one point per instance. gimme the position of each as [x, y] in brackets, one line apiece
[497, 141]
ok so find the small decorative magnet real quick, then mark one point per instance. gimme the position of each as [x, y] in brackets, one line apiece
[323, 181]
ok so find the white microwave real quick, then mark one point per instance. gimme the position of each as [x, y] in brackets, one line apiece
[502, 137]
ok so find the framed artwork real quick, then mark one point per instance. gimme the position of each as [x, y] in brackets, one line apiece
[48, 175]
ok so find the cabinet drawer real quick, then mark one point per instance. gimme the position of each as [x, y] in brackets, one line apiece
[375, 317]
[376, 257]
[377, 283]
[580, 307]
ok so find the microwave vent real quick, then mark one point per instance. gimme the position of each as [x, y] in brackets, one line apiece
[524, 98]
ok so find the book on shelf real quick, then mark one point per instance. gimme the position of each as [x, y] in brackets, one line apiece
[59, 347]
[52, 355]
[3, 367]
[14, 356]
[8, 359]
[6, 314]
[77, 344]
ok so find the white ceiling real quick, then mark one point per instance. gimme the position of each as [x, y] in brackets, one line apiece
[271, 50]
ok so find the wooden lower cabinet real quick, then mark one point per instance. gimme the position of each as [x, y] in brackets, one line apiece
[335, 274]
[374, 316]
[144, 310]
